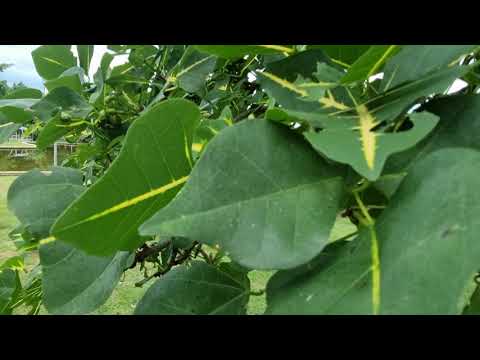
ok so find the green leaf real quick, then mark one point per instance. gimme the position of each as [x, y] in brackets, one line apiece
[71, 78]
[62, 99]
[85, 53]
[342, 54]
[199, 289]
[76, 283]
[459, 126]
[52, 60]
[369, 63]
[278, 80]
[99, 78]
[367, 150]
[17, 110]
[37, 199]
[238, 51]
[209, 128]
[9, 283]
[13, 263]
[153, 164]
[193, 70]
[6, 130]
[24, 93]
[428, 259]
[266, 198]
[55, 129]
[473, 308]
[415, 61]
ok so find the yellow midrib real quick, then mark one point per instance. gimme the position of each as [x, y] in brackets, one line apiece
[128, 203]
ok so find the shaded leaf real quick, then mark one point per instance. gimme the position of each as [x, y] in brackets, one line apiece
[37, 199]
[415, 61]
[199, 289]
[61, 99]
[238, 51]
[76, 283]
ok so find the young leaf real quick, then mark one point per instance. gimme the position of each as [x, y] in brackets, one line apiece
[153, 164]
[367, 150]
[200, 289]
[266, 198]
[428, 259]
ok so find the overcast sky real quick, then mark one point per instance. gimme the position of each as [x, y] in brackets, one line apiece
[24, 71]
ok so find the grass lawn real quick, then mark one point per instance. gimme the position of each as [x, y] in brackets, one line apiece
[126, 295]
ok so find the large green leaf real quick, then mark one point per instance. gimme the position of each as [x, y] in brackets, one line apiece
[37, 199]
[415, 61]
[71, 78]
[367, 150]
[62, 99]
[85, 53]
[152, 166]
[261, 193]
[427, 258]
[199, 289]
[238, 51]
[17, 110]
[24, 93]
[74, 282]
[369, 63]
[52, 60]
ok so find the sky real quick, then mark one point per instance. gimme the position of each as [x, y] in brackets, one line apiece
[24, 71]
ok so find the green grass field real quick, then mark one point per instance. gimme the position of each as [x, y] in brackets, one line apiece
[126, 295]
